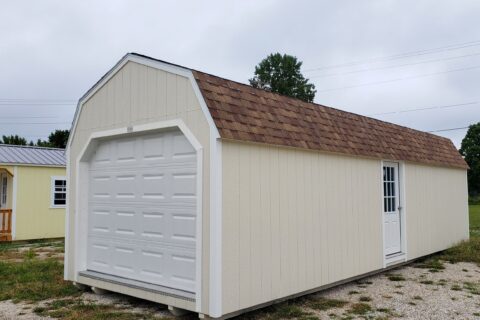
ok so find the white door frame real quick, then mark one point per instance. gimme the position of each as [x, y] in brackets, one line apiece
[402, 255]
[81, 191]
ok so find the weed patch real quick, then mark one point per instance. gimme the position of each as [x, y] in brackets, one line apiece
[360, 308]
[70, 309]
[456, 287]
[323, 304]
[289, 311]
[33, 280]
[472, 288]
[466, 251]
[395, 277]
[432, 264]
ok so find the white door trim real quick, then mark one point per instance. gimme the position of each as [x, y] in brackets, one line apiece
[14, 202]
[402, 255]
[81, 207]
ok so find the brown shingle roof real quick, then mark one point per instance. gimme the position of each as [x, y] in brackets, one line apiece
[244, 113]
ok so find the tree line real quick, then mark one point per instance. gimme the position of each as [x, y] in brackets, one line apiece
[56, 139]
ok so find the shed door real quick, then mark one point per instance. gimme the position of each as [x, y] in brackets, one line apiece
[391, 208]
[142, 209]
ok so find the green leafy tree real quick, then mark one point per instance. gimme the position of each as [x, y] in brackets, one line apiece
[43, 143]
[281, 73]
[470, 149]
[58, 138]
[14, 139]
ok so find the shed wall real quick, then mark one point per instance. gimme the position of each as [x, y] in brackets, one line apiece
[295, 220]
[436, 208]
[35, 218]
[138, 94]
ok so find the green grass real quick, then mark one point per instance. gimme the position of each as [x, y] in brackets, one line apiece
[474, 220]
[70, 309]
[323, 304]
[472, 288]
[33, 280]
[395, 277]
[360, 308]
[364, 299]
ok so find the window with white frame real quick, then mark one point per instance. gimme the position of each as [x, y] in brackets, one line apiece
[59, 192]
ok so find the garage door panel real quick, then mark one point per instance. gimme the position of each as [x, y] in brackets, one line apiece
[183, 270]
[181, 147]
[154, 148]
[126, 151]
[124, 257]
[99, 220]
[99, 254]
[153, 224]
[102, 155]
[184, 227]
[142, 209]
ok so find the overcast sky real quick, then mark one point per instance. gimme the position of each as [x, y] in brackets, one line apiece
[367, 57]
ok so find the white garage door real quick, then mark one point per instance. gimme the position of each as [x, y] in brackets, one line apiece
[142, 209]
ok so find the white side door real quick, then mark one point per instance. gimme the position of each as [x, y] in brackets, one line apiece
[391, 208]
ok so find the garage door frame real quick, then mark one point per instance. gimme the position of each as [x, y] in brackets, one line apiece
[81, 190]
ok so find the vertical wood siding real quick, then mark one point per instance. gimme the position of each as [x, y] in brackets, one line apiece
[437, 208]
[138, 94]
[294, 220]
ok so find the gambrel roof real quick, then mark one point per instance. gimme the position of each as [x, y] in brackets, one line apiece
[242, 112]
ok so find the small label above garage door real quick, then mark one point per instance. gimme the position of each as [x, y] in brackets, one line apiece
[142, 209]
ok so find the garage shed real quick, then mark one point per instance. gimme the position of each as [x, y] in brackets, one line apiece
[212, 196]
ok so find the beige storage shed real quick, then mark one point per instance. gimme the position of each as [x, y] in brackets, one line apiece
[209, 195]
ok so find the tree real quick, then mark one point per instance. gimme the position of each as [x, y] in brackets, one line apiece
[56, 139]
[14, 139]
[470, 149]
[43, 143]
[59, 138]
[281, 74]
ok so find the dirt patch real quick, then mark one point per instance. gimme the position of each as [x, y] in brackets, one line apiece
[20, 311]
[18, 252]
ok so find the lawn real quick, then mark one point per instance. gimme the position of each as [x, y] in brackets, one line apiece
[475, 220]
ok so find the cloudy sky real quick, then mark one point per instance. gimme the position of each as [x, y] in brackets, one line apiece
[374, 57]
